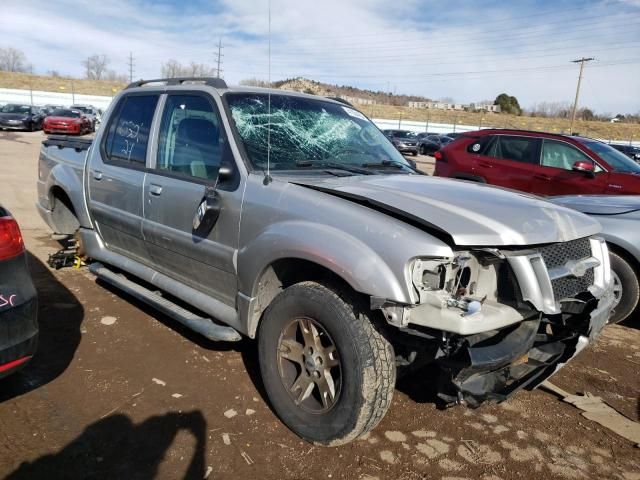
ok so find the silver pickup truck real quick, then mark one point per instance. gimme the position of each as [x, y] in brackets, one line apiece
[292, 219]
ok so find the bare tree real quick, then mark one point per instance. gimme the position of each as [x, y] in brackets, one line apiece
[172, 69]
[113, 76]
[96, 66]
[13, 60]
[200, 70]
[254, 82]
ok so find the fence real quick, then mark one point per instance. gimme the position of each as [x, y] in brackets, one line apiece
[37, 97]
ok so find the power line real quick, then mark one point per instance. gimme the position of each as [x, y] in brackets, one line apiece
[581, 61]
[219, 56]
[131, 66]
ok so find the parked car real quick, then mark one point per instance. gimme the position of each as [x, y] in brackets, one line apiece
[47, 109]
[453, 135]
[90, 112]
[630, 151]
[68, 121]
[619, 216]
[430, 144]
[333, 252]
[18, 300]
[405, 141]
[540, 163]
[20, 117]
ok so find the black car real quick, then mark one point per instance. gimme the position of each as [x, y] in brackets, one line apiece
[18, 300]
[432, 143]
[629, 150]
[21, 117]
[405, 141]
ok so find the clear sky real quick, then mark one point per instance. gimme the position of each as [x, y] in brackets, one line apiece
[469, 51]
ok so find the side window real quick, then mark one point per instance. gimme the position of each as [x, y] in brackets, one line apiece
[191, 141]
[561, 155]
[518, 149]
[128, 134]
[480, 146]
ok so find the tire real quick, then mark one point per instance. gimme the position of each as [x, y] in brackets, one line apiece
[363, 380]
[626, 288]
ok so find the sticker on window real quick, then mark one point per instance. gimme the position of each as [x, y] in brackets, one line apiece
[354, 113]
[475, 147]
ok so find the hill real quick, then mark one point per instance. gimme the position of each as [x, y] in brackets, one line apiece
[380, 105]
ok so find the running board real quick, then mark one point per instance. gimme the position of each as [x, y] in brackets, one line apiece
[203, 326]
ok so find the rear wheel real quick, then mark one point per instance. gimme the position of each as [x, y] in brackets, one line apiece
[626, 289]
[329, 373]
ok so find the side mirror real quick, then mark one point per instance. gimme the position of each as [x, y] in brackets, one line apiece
[224, 172]
[207, 213]
[585, 167]
[412, 163]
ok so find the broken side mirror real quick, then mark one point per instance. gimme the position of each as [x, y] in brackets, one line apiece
[207, 213]
[584, 167]
[224, 173]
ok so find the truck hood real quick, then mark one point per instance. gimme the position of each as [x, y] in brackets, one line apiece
[470, 214]
[600, 204]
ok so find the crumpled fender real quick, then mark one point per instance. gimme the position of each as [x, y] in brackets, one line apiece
[350, 258]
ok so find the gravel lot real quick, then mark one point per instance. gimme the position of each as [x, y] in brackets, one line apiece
[119, 391]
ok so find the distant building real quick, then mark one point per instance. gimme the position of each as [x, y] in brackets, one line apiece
[357, 100]
[454, 106]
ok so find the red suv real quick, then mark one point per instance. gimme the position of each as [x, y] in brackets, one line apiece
[540, 163]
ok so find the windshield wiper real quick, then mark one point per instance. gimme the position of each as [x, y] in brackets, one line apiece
[392, 163]
[333, 166]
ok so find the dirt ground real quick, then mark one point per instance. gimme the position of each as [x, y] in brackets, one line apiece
[118, 391]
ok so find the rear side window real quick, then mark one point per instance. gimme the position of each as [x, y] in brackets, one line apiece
[128, 135]
[480, 145]
[518, 149]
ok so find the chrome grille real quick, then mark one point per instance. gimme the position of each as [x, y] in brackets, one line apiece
[557, 255]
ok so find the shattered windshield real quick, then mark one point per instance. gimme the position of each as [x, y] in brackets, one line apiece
[307, 132]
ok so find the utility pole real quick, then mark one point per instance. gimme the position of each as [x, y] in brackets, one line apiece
[575, 102]
[131, 65]
[219, 58]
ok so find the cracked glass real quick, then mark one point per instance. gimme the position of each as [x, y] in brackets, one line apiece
[306, 132]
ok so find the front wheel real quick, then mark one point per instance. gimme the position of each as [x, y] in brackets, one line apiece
[626, 289]
[328, 372]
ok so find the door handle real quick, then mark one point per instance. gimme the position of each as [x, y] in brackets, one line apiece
[485, 164]
[155, 190]
[540, 176]
[97, 175]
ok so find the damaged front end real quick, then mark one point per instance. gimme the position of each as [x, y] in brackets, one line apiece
[506, 320]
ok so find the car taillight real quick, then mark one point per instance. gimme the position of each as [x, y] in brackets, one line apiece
[11, 243]
[438, 156]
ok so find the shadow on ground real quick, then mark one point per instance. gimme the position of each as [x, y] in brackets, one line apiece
[116, 448]
[59, 318]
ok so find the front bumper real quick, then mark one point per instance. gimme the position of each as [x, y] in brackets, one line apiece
[406, 148]
[495, 365]
[21, 125]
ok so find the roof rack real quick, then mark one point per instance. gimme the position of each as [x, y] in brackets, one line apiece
[210, 81]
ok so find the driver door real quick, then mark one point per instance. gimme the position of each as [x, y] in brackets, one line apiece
[191, 147]
[555, 175]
